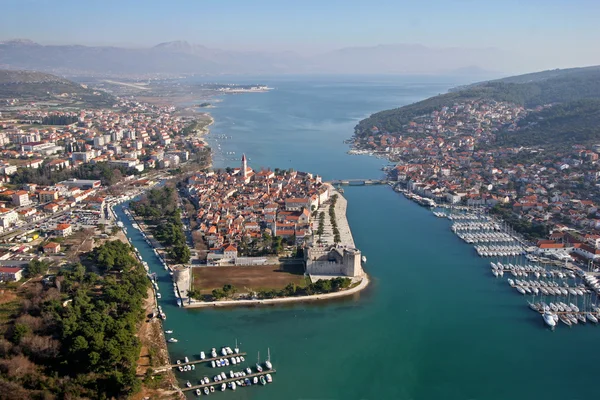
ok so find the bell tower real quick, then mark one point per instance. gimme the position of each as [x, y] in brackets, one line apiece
[244, 166]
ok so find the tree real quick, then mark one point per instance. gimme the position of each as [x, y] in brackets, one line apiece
[195, 294]
[290, 289]
[36, 267]
[18, 332]
[218, 294]
[229, 290]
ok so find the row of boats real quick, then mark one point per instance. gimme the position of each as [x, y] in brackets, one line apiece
[534, 270]
[547, 288]
[500, 250]
[233, 384]
[482, 225]
[458, 216]
[551, 318]
[485, 237]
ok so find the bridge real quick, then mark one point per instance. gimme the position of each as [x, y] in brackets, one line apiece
[359, 182]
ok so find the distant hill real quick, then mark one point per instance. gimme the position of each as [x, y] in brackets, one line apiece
[38, 86]
[575, 90]
[181, 57]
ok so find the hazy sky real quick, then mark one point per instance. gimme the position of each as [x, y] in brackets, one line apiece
[563, 30]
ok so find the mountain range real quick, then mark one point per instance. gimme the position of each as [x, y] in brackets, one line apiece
[181, 57]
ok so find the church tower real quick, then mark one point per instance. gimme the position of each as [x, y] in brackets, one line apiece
[244, 166]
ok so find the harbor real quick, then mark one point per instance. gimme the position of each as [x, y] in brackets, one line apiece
[560, 291]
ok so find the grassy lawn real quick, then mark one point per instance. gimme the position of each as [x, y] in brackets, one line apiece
[262, 277]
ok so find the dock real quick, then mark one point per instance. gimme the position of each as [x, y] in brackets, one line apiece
[208, 360]
[250, 376]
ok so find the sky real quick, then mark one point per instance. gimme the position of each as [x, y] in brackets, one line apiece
[551, 31]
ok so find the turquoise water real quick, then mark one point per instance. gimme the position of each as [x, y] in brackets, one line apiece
[434, 323]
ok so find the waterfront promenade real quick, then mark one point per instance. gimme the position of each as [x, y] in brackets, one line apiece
[342, 222]
[298, 299]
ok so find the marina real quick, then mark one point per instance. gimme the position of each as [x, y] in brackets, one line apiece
[564, 292]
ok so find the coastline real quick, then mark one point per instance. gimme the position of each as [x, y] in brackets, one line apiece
[315, 297]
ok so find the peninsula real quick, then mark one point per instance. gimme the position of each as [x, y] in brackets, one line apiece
[526, 147]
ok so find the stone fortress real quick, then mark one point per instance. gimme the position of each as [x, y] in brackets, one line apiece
[325, 259]
[333, 261]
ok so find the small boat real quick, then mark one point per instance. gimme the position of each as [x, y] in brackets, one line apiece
[193, 367]
[187, 360]
[212, 364]
[574, 307]
[549, 319]
[178, 361]
[258, 366]
[262, 380]
[248, 370]
[202, 355]
[269, 378]
[223, 387]
[172, 340]
[255, 380]
[169, 331]
[521, 290]
[591, 317]
[158, 296]
[233, 360]
[231, 374]
[233, 385]
[581, 318]
[188, 384]
[213, 353]
[212, 389]
[565, 320]
[198, 392]
[206, 390]
[180, 368]
[268, 362]
[363, 259]
[247, 382]
[223, 375]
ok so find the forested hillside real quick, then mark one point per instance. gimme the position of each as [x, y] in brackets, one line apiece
[531, 90]
[575, 122]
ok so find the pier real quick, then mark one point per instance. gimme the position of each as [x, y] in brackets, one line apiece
[207, 360]
[217, 384]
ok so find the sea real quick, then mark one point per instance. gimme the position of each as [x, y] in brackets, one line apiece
[434, 322]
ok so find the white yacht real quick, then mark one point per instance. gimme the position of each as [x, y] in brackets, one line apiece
[169, 331]
[268, 362]
[172, 340]
[591, 317]
[521, 290]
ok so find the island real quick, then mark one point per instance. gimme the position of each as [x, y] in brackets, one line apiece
[267, 239]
